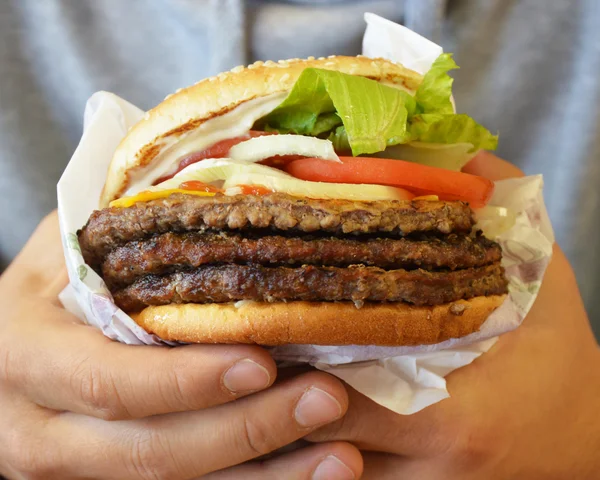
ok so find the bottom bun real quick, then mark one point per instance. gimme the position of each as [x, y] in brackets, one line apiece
[317, 323]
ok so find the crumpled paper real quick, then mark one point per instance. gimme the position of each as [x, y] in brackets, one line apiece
[403, 379]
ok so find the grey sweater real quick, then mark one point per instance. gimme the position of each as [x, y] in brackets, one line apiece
[529, 69]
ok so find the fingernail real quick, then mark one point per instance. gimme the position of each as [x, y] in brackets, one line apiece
[317, 407]
[245, 376]
[332, 468]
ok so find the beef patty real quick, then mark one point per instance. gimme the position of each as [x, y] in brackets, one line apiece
[277, 247]
[226, 283]
[112, 227]
[171, 252]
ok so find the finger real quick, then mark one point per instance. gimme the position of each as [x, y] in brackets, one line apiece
[40, 261]
[329, 461]
[486, 164]
[68, 366]
[22, 455]
[416, 434]
[191, 444]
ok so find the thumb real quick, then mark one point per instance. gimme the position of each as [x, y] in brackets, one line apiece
[488, 165]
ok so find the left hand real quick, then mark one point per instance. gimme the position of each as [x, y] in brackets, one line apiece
[74, 404]
[527, 409]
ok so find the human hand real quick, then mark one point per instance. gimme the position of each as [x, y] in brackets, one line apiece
[527, 409]
[76, 405]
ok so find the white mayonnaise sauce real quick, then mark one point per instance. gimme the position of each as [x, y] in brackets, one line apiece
[232, 124]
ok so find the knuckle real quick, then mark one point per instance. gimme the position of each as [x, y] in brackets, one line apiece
[181, 389]
[258, 439]
[97, 389]
[151, 458]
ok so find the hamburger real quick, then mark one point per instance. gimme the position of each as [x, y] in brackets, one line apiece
[313, 201]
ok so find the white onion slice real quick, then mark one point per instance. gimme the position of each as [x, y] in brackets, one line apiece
[216, 170]
[259, 148]
[235, 172]
[303, 188]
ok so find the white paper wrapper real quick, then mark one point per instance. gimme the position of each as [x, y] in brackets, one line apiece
[386, 39]
[405, 379]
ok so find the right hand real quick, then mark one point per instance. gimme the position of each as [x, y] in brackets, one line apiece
[527, 409]
[76, 405]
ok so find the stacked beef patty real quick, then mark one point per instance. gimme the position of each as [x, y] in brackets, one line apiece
[277, 248]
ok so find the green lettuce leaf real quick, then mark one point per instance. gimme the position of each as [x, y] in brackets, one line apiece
[374, 115]
[340, 140]
[365, 117]
[435, 120]
[451, 129]
[325, 123]
[433, 95]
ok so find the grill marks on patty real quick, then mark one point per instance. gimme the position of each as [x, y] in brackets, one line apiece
[171, 252]
[226, 283]
[277, 247]
[112, 227]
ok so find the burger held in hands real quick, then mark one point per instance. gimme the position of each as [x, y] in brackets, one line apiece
[303, 201]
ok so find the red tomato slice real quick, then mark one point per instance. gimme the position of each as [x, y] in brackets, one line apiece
[420, 179]
[218, 150]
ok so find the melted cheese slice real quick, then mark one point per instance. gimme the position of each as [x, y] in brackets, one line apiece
[147, 196]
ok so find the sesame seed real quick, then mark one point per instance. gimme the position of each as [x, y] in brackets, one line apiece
[237, 69]
[331, 56]
[285, 78]
[269, 63]
[212, 79]
[311, 58]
